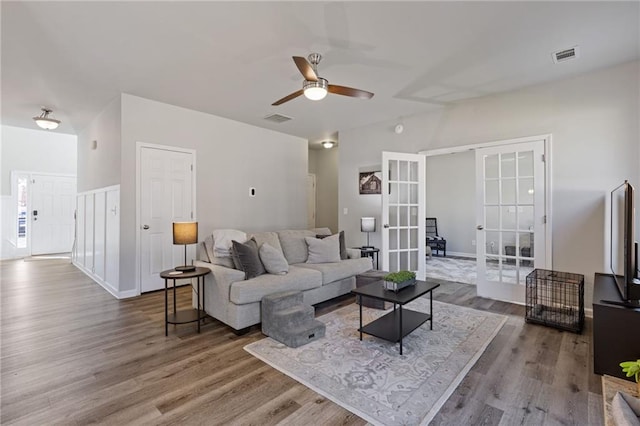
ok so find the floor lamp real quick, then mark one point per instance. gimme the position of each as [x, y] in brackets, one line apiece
[185, 233]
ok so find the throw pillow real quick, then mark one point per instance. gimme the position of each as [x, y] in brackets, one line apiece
[273, 259]
[248, 258]
[343, 247]
[326, 250]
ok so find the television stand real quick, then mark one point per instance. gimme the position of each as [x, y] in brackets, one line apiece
[614, 328]
[630, 305]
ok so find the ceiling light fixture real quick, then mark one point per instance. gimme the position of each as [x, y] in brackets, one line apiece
[315, 90]
[46, 122]
[328, 144]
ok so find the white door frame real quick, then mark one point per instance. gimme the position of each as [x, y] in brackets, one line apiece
[547, 178]
[139, 147]
[29, 174]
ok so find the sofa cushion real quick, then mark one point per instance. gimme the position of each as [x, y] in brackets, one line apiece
[273, 260]
[324, 250]
[247, 255]
[270, 238]
[343, 247]
[339, 270]
[253, 290]
[294, 246]
[322, 231]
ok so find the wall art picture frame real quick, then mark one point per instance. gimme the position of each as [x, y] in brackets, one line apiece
[370, 182]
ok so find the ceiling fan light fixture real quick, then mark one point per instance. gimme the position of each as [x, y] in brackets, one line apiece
[328, 144]
[315, 90]
[45, 122]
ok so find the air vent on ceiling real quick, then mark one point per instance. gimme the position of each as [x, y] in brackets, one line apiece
[277, 118]
[566, 54]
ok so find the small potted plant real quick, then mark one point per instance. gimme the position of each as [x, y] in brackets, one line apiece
[396, 281]
[632, 368]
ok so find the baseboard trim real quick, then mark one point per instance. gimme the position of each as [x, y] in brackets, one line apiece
[107, 286]
[460, 254]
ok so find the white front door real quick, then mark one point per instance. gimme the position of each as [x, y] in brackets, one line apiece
[510, 212]
[52, 206]
[166, 196]
[403, 212]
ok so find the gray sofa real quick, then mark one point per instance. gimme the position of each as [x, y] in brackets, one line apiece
[236, 301]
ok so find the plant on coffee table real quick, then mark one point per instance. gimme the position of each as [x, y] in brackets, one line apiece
[398, 280]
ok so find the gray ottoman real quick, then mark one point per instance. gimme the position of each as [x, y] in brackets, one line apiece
[288, 320]
[368, 278]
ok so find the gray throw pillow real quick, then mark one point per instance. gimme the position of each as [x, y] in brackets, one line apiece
[343, 247]
[326, 250]
[248, 257]
[273, 259]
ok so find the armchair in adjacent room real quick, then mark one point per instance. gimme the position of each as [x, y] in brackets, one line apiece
[434, 240]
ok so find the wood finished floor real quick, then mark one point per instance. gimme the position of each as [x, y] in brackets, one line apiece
[72, 354]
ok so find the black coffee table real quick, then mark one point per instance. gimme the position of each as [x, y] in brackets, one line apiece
[398, 323]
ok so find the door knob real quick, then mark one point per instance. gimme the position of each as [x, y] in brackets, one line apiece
[145, 226]
[479, 227]
[386, 226]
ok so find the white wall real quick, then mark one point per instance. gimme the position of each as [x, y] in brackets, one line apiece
[451, 193]
[99, 167]
[324, 164]
[594, 122]
[29, 150]
[230, 157]
[35, 151]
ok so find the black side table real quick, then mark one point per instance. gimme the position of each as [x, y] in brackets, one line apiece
[371, 252]
[187, 315]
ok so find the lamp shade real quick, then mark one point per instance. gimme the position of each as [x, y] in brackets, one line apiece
[368, 224]
[185, 232]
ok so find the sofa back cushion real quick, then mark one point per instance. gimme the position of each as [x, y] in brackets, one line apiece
[294, 246]
[206, 254]
[270, 238]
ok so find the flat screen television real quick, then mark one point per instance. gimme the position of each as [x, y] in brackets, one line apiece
[624, 248]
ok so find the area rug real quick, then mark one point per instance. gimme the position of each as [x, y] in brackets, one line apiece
[370, 378]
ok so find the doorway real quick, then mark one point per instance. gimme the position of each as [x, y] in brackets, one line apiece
[166, 194]
[508, 221]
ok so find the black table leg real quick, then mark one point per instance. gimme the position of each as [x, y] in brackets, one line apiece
[198, 304]
[431, 310]
[360, 304]
[400, 330]
[166, 310]
[202, 297]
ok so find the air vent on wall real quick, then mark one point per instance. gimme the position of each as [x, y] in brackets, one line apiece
[566, 54]
[277, 118]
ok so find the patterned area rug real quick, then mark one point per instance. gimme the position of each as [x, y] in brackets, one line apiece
[370, 378]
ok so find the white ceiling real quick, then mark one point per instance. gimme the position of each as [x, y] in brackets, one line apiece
[233, 59]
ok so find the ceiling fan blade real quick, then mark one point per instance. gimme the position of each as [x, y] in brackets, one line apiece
[288, 97]
[349, 91]
[305, 68]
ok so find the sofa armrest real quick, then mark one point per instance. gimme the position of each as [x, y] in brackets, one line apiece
[353, 253]
[223, 277]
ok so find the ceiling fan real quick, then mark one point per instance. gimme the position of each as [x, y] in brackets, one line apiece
[315, 87]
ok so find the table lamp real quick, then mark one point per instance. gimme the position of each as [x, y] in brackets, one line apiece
[368, 224]
[185, 233]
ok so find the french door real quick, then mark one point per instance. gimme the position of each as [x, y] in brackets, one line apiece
[510, 212]
[166, 196]
[403, 212]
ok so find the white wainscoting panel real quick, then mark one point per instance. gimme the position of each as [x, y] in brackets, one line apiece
[97, 251]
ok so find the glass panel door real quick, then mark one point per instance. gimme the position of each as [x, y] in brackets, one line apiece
[510, 214]
[403, 212]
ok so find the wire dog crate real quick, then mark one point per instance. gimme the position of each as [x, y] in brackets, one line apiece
[555, 299]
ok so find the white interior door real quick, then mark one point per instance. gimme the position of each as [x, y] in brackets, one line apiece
[403, 212]
[510, 211]
[166, 196]
[52, 206]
